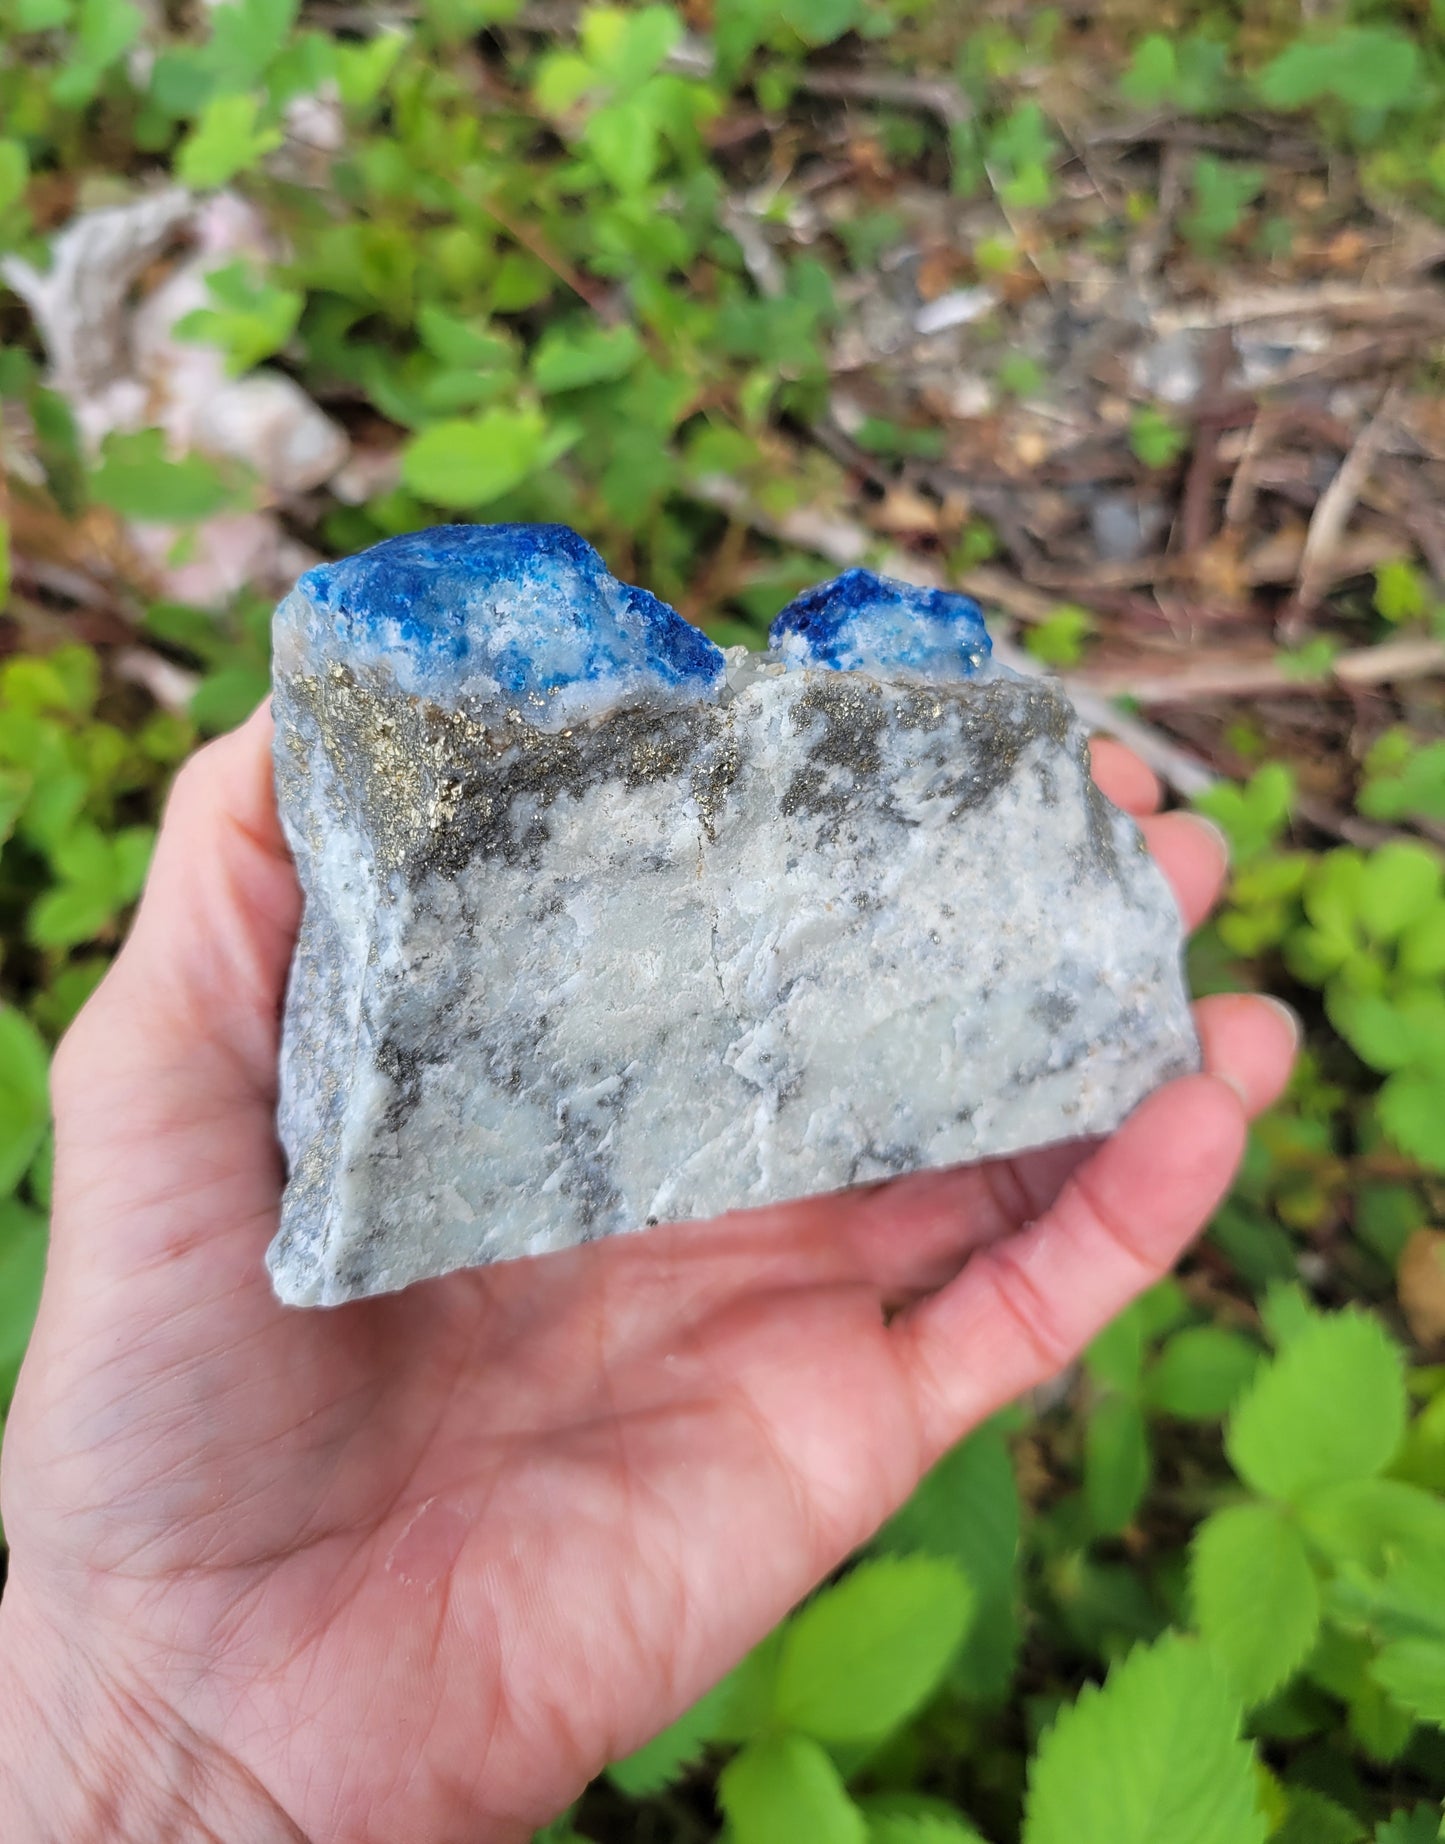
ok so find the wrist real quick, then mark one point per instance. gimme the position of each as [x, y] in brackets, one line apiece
[86, 1760]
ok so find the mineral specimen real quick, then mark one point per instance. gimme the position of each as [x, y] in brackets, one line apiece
[606, 927]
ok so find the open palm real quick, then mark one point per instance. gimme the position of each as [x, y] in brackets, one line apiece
[414, 1569]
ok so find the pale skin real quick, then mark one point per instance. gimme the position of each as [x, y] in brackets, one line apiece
[416, 1568]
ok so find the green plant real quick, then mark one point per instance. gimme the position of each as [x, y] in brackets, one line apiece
[1221, 190]
[1403, 779]
[1059, 640]
[1155, 437]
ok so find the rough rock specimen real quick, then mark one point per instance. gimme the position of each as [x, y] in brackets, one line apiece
[606, 927]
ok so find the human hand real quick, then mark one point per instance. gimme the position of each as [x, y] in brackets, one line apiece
[414, 1569]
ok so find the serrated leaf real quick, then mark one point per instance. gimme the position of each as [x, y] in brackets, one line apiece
[1422, 1826]
[784, 1789]
[1330, 1407]
[1201, 1372]
[861, 1657]
[1152, 1755]
[921, 1828]
[1256, 1600]
[967, 1510]
[662, 1760]
[1412, 1672]
[1311, 1818]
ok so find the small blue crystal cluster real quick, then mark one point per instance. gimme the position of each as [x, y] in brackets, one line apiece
[530, 614]
[860, 622]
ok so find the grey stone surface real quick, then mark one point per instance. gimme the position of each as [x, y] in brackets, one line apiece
[687, 957]
[610, 930]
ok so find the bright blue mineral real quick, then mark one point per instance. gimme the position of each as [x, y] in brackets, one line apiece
[860, 622]
[526, 615]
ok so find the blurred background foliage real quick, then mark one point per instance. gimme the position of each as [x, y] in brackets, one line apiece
[1128, 319]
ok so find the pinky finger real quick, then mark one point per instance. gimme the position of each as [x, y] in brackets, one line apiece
[1024, 1308]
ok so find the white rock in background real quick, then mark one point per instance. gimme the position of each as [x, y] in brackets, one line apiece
[603, 928]
[121, 368]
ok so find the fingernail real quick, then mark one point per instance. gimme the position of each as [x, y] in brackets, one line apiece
[1289, 1015]
[1215, 831]
[1232, 1081]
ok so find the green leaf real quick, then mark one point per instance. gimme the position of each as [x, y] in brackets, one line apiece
[459, 343]
[861, 1657]
[228, 696]
[1256, 1600]
[1314, 1819]
[569, 357]
[225, 141]
[1116, 1464]
[252, 319]
[1422, 1826]
[1401, 882]
[24, 1095]
[1153, 1755]
[22, 1269]
[1330, 1407]
[68, 914]
[1115, 1358]
[104, 31]
[137, 479]
[246, 35]
[1411, 1106]
[921, 1828]
[469, 461]
[967, 1510]
[15, 786]
[1200, 1373]
[1400, 591]
[14, 172]
[662, 1760]
[784, 1789]
[1363, 67]
[1368, 1520]
[623, 140]
[1412, 1671]
[362, 70]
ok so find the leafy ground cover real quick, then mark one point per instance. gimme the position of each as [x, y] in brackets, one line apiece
[1129, 319]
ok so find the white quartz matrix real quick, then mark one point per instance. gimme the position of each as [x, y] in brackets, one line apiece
[605, 928]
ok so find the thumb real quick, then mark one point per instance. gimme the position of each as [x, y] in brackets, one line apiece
[184, 1029]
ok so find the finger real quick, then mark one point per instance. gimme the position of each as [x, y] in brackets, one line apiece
[201, 975]
[1250, 1042]
[1123, 778]
[898, 1239]
[1194, 855]
[1025, 1307]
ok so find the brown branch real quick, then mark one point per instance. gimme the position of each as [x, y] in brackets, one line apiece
[1336, 503]
[1408, 657]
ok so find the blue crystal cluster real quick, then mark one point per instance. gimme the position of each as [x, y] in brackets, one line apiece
[518, 612]
[860, 622]
[528, 616]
